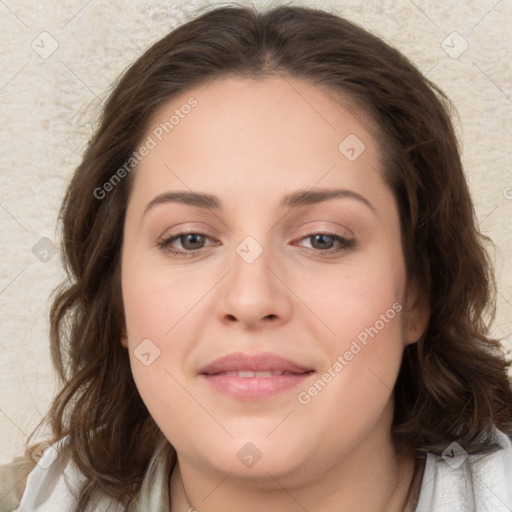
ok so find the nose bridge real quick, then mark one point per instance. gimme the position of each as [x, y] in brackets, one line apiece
[253, 291]
[252, 262]
[254, 251]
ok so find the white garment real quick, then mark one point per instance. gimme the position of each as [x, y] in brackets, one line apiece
[453, 483]
[482, 483]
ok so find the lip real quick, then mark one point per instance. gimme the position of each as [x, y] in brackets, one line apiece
[286, 375]
[265, 361]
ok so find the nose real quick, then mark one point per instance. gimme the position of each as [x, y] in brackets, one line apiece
[254, 292]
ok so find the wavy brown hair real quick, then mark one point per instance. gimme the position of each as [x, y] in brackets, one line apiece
[453, 383]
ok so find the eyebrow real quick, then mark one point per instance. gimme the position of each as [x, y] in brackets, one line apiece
[297, 199]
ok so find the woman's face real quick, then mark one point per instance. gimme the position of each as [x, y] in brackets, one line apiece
[252, 286]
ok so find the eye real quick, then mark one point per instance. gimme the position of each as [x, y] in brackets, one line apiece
[323, 242]
[192, 242]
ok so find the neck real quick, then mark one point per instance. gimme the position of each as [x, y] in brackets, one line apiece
[367, 480]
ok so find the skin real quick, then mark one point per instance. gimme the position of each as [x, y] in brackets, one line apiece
[249, 143]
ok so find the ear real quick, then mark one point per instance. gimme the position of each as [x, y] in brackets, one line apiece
[124, 338]
[417, 312]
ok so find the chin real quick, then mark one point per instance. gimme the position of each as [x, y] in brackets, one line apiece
[248, 456]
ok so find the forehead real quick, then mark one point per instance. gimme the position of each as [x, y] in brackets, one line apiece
[245, 133]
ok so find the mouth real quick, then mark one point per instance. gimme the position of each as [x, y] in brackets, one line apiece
[254, 377]
[249, 373]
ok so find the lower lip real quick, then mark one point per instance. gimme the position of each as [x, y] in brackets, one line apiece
[255, 388]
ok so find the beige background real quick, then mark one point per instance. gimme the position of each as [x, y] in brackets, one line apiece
[49, 106]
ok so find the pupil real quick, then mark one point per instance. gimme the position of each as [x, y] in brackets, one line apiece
[322, 237]
[193, 236]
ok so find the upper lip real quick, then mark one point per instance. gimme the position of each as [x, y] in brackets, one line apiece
[238, 361]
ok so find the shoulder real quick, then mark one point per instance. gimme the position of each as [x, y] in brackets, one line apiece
[457, 482]
[48, 484]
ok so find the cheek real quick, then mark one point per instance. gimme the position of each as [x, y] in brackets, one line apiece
[361, 330]
[161, 309]
[147, 310]
[363, 358]
[368, 344]
[353, 298]
[155, 334]
[147, 321]
[154, 300]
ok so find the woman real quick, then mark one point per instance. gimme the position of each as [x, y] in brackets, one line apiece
[324, 346]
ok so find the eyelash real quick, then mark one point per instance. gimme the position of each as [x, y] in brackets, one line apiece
[165, 243]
